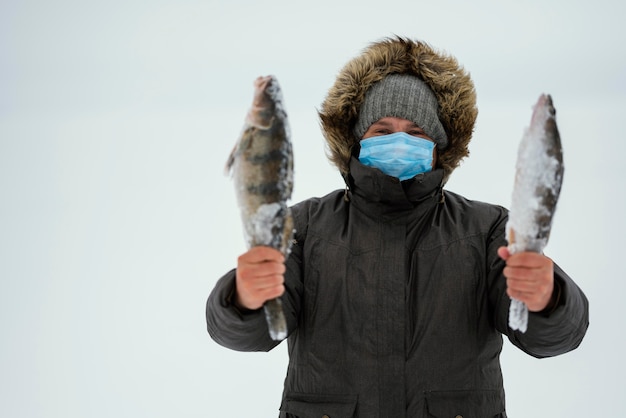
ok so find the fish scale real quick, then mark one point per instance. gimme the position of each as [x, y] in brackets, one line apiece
[261, 165]
[538, 179]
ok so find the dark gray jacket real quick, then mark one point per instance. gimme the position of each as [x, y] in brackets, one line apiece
[396, 304]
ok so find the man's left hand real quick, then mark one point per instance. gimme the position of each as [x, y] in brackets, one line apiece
[529, 278]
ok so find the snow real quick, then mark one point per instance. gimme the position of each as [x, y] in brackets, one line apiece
[260, 226]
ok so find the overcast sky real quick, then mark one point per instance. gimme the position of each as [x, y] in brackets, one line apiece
[116, 219]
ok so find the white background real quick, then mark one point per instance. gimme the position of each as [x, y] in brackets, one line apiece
[116, 218]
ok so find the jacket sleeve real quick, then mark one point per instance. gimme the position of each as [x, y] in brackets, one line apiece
[234, 328]
[549, 333]
[562, 329]
[246, 330]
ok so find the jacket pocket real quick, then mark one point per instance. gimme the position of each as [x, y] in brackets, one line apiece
[305, 405]
[466, 404]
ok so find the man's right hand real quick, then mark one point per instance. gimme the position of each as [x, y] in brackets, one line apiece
[260, 277]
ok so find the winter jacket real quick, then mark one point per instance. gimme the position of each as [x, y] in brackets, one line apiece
[396, 303]
[395, 299]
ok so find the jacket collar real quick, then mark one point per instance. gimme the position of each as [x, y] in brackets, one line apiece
[385, 195]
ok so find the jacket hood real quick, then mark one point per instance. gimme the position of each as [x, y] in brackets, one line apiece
[450, 83]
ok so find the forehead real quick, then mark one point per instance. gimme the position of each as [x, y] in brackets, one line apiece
[394, 121]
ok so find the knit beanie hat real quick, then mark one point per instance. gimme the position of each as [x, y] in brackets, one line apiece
[403, 96]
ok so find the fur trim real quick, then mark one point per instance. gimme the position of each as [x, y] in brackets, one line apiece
[451, 84]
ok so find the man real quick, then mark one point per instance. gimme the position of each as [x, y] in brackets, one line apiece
[397, 291]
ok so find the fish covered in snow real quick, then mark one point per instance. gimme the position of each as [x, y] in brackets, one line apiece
[261, 165]
[538, 179]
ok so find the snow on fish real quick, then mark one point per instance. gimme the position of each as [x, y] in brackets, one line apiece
[538, 179]
[262, 168]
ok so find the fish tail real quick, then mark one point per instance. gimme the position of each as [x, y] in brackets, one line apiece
[518, 316]
[275, 318]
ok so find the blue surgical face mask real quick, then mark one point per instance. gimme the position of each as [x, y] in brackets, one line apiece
[398, 155]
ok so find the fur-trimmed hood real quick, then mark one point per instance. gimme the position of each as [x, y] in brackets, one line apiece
[451, 84]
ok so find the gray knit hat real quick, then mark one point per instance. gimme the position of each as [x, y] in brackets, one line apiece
[403, 96]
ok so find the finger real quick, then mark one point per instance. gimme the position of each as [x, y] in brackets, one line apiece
[261, 269]
[524, 274]
[528, 287]
[252, 293]
[255, 298]
[504, 253]
[530, 301]
[252, 284]
[265, 282]
[534, 302]
[262, 253]
[527, 280]
[528, 260]
[515, 294]
[272, 292]
[529, 296]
